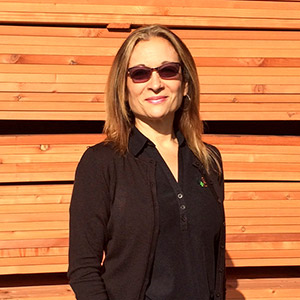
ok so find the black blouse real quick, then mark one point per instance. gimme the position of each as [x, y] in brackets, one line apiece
[190, 221]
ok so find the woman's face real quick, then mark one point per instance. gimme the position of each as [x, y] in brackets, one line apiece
[156, 99]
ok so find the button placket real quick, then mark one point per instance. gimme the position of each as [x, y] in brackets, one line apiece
[182, 211]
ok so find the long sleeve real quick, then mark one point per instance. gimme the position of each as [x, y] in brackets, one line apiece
[89, 212]
[221, 272]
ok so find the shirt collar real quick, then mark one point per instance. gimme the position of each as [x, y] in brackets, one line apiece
[137, 141]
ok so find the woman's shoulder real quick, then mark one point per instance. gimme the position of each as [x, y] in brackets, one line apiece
[216, 163]
[103, 153]
[104, 148]
[213, 151]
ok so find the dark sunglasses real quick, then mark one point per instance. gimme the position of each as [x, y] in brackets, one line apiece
[141, 74]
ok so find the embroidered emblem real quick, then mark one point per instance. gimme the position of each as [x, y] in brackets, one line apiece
[202, 182]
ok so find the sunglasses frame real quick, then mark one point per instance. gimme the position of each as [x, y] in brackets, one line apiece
[157, 69]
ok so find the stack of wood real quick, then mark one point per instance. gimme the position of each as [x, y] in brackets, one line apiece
[54, 60]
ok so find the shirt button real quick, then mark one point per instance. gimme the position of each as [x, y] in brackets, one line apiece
[218, 295]
[179, 195]
[182, 206]
[183, 218]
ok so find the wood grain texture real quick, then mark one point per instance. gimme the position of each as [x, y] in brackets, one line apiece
[237, 14]
[237, 289]
[61, 73]
[54, 61]
[54, 157]
[263, 224]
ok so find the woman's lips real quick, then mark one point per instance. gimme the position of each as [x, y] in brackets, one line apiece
[156, 99]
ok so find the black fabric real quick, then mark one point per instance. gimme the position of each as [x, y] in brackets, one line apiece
[190, 221]
[114, 209]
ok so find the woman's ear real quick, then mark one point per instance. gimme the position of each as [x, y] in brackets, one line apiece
[186, 89]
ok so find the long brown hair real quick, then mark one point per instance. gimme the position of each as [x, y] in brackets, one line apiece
[120, 120]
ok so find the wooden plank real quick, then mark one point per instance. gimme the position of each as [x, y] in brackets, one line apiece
[264, 288]
[23, 235]
[107, 60]
[250, 240]
[90, 139]
[111, 51]
[241, 79]
[52, 116]
[47, 292]
[261, 218]
[52, 87]
[64, 59]
[176, 21]
[271, 246]
[60, 69]
[30, 269]
[258, 213]
[34, 243]
[276, 229]
[54, 79]
[27, 217]
[243, 16]
[48, 97]
[96, 111]
[34, 208]
[115, 42]
[268, 201]
[258, 187]
[29, 252]
[84, 32]
[44, 106]
[38, 149]
[204, 71]
[16, 261]
[60, 139]
[205, 98]
[30, 226]
[101, 115]
[266, 237]
[222, 139]
[262, 221]
[237, 288]
[265, 254]
[243, 162]
[205, 10]
[233, 98]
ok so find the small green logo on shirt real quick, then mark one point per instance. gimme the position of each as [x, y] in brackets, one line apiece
[202, 182]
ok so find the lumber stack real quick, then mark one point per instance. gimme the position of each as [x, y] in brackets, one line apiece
[54, 61]
[187, 13]
[263, 218]
[250, 289]
[60, 73]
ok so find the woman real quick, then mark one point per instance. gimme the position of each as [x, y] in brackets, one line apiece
[150, 197]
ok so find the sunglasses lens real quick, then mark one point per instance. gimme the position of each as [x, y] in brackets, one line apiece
[140, 74]
[168, 71]
[143, 74]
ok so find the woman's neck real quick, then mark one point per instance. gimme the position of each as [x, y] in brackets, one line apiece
[158, 132]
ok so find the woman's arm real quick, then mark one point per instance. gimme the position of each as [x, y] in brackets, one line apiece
[89, 212]
[218, 182]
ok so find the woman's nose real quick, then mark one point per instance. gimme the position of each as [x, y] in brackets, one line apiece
[155, 82]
